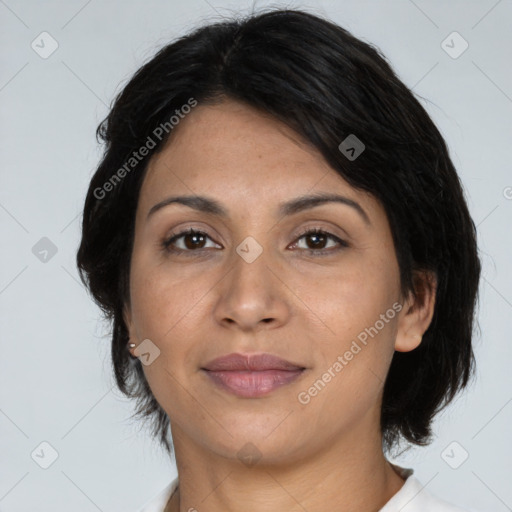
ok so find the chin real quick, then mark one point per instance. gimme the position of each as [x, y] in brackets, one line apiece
[257, 441]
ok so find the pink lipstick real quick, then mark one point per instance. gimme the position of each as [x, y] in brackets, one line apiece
[251, 376]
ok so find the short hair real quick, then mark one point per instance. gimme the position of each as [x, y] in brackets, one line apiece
[325, 84]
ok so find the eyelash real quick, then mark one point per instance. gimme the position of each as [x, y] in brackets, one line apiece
[167, 243]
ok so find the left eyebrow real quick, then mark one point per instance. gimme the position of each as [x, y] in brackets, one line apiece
[302, 203]
[299, 204]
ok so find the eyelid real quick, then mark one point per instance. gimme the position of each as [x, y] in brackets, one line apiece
[329, 230]
[185, 228]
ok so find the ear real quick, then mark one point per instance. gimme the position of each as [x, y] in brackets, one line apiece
[417, 312]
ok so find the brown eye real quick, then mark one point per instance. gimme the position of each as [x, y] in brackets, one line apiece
[194, 240]
[316, 240]
[191, 240]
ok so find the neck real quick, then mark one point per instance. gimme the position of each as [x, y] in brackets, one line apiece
[349, 475]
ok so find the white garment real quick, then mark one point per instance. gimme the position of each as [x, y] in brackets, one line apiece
[412, 497]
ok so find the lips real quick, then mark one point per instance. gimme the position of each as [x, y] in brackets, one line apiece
[252, 362]
[253, 375]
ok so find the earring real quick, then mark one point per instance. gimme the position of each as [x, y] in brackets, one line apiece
[418, 336]
[130, 346]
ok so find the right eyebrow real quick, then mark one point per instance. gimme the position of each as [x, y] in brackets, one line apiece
[199, 203]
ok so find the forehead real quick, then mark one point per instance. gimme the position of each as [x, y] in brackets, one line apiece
[237, 154]
[236, 139]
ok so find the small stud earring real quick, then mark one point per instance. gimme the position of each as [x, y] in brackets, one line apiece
[131, 345]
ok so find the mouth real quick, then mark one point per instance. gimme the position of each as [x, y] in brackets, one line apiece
[251, 376]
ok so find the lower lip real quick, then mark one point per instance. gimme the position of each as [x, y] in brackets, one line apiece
[252, 384]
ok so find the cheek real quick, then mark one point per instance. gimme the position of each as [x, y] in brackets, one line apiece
[165, 310]
[349, 377]
[168, 309]
[164, 300]
[353, 299]
[358, 328]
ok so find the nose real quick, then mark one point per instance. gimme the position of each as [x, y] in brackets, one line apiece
[252, 296]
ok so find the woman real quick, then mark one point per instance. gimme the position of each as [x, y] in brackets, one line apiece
[283, 246]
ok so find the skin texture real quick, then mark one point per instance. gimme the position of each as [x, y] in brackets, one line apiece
[304, 308]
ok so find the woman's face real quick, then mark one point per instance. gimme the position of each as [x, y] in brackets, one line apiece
[251, 283]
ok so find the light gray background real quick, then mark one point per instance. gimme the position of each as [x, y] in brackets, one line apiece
[56, 385]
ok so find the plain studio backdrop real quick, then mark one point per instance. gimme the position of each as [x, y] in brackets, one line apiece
[58, 404]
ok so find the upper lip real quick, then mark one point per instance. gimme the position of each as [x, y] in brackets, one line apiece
[250, 362]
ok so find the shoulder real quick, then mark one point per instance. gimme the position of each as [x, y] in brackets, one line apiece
[158, 502]
[414, 497]
[428, 502]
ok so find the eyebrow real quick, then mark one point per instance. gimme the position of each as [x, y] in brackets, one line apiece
[209, 205]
